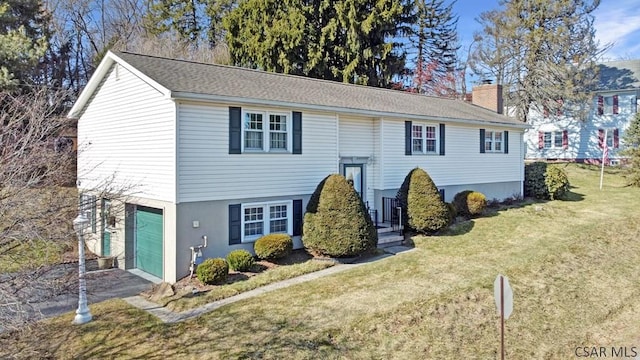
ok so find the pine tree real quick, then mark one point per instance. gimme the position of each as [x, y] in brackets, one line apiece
[347, 40]
[632, 151]
[23, 41]
[435, 39]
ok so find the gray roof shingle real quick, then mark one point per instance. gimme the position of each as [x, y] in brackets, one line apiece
[615, 75]
[226, 81]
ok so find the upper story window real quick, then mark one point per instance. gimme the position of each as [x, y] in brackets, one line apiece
[608, 104]
[424, 138]
[493, 141]
[260, 219]
[262, 136]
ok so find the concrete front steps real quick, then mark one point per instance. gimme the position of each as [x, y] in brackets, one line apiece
[387, 238]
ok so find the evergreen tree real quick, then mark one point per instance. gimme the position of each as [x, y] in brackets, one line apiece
[23, 41]
[632, 151]
[194, 21]
[435, 39]
[543, 53]
[347, 40]
[422, 208]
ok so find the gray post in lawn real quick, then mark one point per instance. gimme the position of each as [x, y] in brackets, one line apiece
[82, 314]
[503, 295]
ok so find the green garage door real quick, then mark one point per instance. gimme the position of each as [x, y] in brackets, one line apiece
[149, 240]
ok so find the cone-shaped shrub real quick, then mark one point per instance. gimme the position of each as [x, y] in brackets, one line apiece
[336, 222]
[422, 208]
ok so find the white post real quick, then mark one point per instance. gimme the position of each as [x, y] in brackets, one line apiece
[604, 151]
[82, 314]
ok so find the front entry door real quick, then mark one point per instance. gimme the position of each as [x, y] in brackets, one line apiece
[106, 233]
[354, 174]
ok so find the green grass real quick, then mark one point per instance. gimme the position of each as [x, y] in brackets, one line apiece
[573, 266]
[29, 254]
[180, 302]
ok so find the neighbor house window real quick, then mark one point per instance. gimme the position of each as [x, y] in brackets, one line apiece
[424, 138]
[493, 141]
[262, 136]
[553, 139]
[260, 219]
[608, 104]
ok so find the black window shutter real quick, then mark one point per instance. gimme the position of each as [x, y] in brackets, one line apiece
[407, 137]
[481, 141]
[235, 224]
[441, 191]
[235, 130]
[506, 142]
[297, 132]
[297, 217]
[441, 139]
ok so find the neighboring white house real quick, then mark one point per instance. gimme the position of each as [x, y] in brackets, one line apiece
[559, 136]
[233, 153]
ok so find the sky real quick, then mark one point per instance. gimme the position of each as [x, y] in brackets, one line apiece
[616, 21]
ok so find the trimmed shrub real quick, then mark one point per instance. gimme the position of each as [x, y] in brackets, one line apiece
[240, 260]
[336, 222]
[470, 203]
[273, 246]
[213, 271]
[556, 182]
[422, 208]
[534, 185]
[545, 182]
[453, 212]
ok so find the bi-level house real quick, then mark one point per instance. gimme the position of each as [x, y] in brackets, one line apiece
[557, 135]
[233, 153]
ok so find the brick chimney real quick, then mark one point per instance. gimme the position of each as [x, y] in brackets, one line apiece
[488, 96]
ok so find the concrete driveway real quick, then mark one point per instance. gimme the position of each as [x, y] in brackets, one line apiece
[101, 285]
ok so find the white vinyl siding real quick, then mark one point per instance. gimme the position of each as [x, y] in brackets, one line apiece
[462, 164]
[582, 135]
[127, 132]
[206, 170]
[357, 139]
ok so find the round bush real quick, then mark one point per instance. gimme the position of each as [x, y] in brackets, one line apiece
[273, 246]
[556, 181]
[240, 260]
[336, 222]
[470, 203]
[422, 208]
[213, 271]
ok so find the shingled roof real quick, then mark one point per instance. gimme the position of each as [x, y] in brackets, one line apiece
[616, 75]
[188, 79]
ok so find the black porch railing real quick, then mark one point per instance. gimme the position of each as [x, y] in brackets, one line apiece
[391, 213]
[373, 214]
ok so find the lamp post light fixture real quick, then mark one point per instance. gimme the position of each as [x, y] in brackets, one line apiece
[83, 315]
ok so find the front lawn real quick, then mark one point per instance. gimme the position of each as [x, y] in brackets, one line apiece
[573, 265]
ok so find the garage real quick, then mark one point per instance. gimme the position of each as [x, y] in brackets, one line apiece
[149, 240]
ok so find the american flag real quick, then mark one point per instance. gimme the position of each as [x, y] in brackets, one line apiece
[605, 151]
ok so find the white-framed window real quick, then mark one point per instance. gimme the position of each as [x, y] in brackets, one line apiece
[610, 139]
[552, 139]
[88, 208]
[608, 104]
[424, 138]
[493, 141]
[266, 131]
[259, 219]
